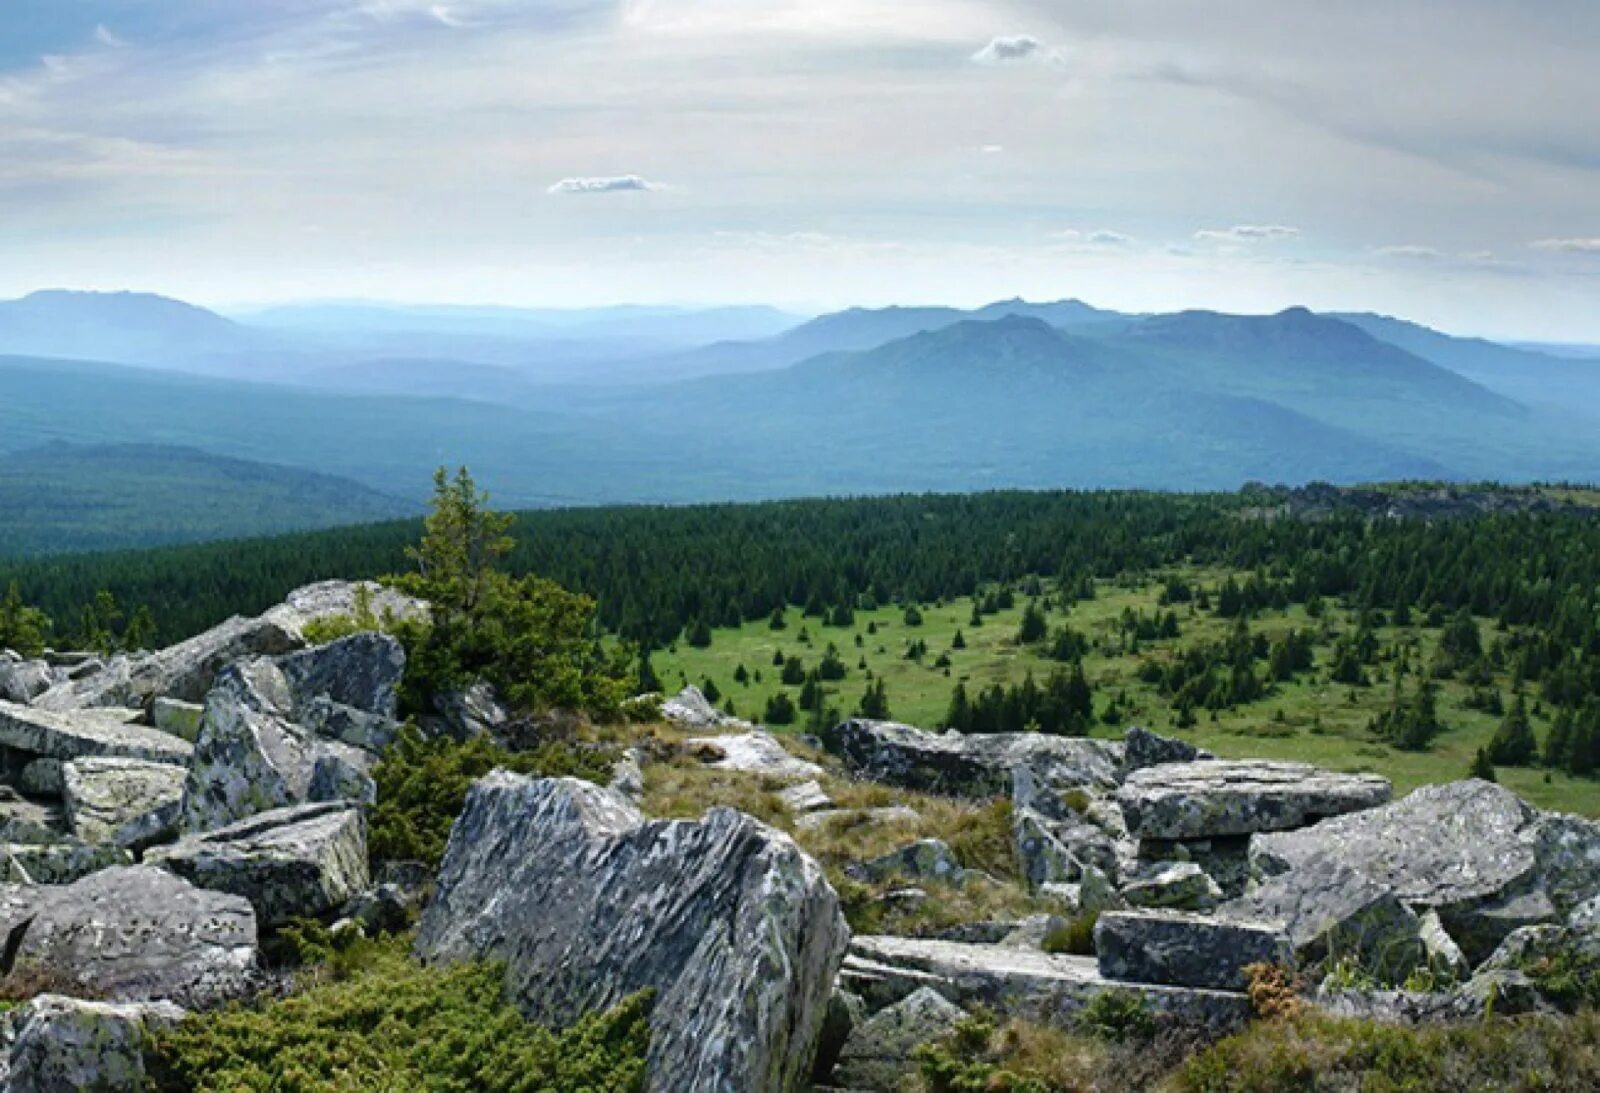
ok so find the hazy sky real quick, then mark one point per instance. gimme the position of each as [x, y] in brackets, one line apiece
[1436, 158]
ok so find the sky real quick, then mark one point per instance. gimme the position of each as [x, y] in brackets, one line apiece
[1437, 159]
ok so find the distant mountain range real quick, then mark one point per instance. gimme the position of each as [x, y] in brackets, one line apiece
[1013, 394]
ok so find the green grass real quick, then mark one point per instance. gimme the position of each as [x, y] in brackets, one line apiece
[1308, 719]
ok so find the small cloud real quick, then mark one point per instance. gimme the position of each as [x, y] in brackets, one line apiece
[1010, 50]
[612, 185]
[1411, 252]
[1247, 233]
[104, 35]
[445, 17]
[1569, 246]
[992, 149]
[1099, 238]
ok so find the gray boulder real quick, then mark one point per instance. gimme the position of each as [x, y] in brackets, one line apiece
[177, 717]
[61, 1043]
[470, 712]
[60, 862]
[22, 681]
[691, 709]
[752, 753]
[44, 777]
[805, 797]
[977, 766]
[361, 672]
[1185, 950]
[1477, 854]
[1147, 749]
[35, 733]
[1331, 911]
[123, 802]
[1210, 798]
[302, 861]
[877, 1056]
[586, 903]
[923, 860]
[133, 934]
[1181, 886]
[840, 818]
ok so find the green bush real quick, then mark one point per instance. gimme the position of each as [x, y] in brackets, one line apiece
[422, 785]
[385, 1023]
[1117, 1016]
[1075, 938]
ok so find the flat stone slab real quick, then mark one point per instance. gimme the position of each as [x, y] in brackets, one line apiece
[1052, 989]
[289, 862]
[976, 765]
[91, 1047]
[79, 733]
[1216, 798]
[123, 802]
[1186, 950]
[752, 753]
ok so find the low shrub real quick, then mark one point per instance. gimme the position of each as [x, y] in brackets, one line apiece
[1075, 938]
[1117, 1016]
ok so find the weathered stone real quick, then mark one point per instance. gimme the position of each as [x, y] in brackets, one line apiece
[1147, 749]
[923, 860]
[73, 735]
[1330, 911]
[840, 818]
[978, 766]
[1185, 950]
[134, 934]
[1586, 916]
[627, 775]
[805, 797]
[1552, 964]
[44, 778]
[470, 712]
[361, 672]
[60, 862]
[1043, 857]
[302, 861]
[177, 717]
[342, 599]
[342, 773]
[1209, 798]
[586, 903]
[1092, 893]
[61, 1043]
[124, 802]
[1486, 861]
[1444, 956]
[752, 753]
[1043, 987]
[845, 1012]
[1181, 886]
[691, 709]
[22, 681]
[1032, 931]
[878, 1054]
[347, 725]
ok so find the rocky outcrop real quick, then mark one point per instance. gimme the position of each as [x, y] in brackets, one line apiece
[292, 862]
[133, 934]
[1179, 886]
[22, 681]
[177, 717]
[1330, 911]
[1144, 748]
[752, 753]
[977, 766]
[923, 860]
[1185, 950]
[1482, 858]
[1014, 982]
[59, 862]
[691, 709]
[878, 1053]
[60, 1043]
[1211, 798]
[805, 797]
[31, 733]
[586, 903]
[470, 712]
[123, 802]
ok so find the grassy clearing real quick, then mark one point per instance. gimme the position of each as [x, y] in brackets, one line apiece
[1309, 719]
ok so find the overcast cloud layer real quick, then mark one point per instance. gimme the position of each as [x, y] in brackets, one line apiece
[1435, 158]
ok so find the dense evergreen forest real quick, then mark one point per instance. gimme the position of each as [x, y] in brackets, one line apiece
[662, 573]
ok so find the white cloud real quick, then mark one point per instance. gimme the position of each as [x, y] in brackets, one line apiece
[106, 37]
[605, 185]
[1010, 50]
[1569, 246]
[1412, 252]
[1097, 238]
[1247, 233]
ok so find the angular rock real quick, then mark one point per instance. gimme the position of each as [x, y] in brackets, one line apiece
[586, 903]
[1032, 931]
[59, 862]
[177, 717]
[361, 672]
[341, 599]
[1444, 956]
[1331, 911]
[467, 713]
[63, 1043]
[978, 766]
[805, 797]
[123, 802]
[22, 681]
[1044, 858]
[1586, 916]
[291, 862]
[923, 860]
[1180, 886]
[1477, 854]
[1210, 798]
[752, 753]
[1147, 749]
[1185, 950]
[37, 733]
[845, 1012]
[878, 1054]
[691, 709]
[44, 778]
[1050, 989]
[627, 775]
[851, 817]
[134, 934]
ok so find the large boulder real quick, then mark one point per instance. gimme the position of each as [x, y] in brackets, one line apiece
[587, 903]
[1331, 911]
[30, 733]
[923, 860]
[132, 934]
[362, 671]
[59, 862]
[124, 802]
[1179, 886]
[1016, 982]
[978, 766]
[878, 1053]
[302, 861]
[1185, 950]
[1143, 748]
[1476, 853]
[251, 757]
[61, 1043]
[1211, 798]
[753, 753]
[691, 709]
[22, 681]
